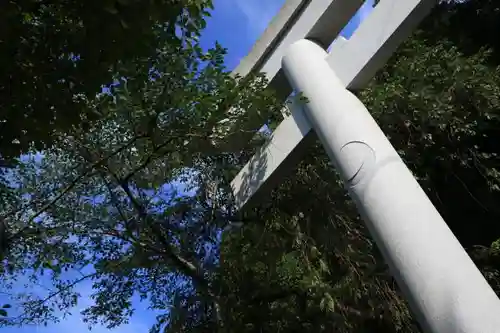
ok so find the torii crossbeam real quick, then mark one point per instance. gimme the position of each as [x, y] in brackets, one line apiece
[446, 291]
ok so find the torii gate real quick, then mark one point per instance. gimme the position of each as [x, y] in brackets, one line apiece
[446, 291]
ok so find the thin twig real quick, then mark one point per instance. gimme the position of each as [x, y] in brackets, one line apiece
[54, 294]
[147, 161]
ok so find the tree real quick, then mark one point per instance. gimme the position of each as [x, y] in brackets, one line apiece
[55, 55]
[98, 206]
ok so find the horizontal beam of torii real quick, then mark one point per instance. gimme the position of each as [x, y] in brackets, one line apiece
[445, 290]
[320, 20]
[354, 61]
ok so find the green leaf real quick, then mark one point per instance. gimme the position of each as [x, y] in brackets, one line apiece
[111, 9]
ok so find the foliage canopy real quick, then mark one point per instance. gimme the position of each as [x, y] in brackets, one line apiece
[55, 55]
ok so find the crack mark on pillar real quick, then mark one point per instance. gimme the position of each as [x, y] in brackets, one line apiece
[360, 161]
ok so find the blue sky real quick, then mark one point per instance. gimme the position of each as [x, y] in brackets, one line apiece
[236, 25]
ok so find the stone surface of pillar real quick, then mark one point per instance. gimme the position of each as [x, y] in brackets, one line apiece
[445, 289]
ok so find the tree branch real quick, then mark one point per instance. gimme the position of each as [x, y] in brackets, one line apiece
[22, 317]
[147, 161]
[182, 264]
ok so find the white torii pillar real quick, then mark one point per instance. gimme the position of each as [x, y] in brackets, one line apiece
[445, 290]
[444, 287]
